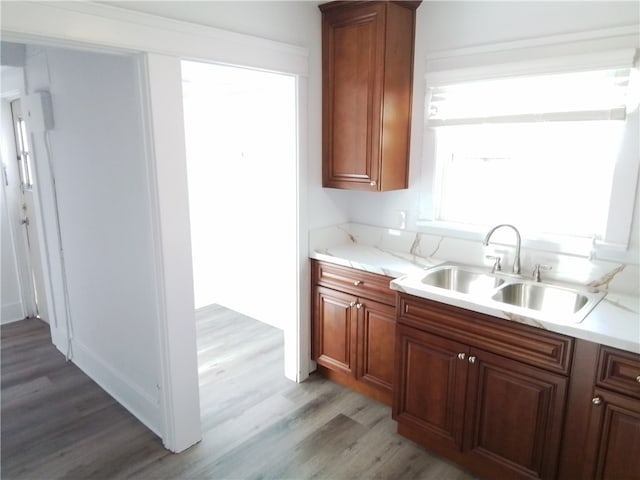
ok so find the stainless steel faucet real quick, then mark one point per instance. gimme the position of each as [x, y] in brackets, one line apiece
[516, 260]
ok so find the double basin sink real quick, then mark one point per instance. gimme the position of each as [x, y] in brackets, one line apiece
[513, 293]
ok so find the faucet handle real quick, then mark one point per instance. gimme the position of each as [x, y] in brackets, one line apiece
[536, 271]
[497, 265]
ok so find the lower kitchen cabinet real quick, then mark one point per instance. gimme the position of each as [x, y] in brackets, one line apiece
[375, 345]
[499, 413]
[334, 329]
[602, 432]
[431, 386]
[514, 416]
[613, 437]
[503, 399]
[501, 417]
[353, 328]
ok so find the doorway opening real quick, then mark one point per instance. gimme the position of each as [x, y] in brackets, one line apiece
[241, 144]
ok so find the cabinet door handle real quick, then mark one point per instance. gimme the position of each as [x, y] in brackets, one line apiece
[596, 401]
[352, 304]
[472, 359]
[359, 305]
[357, 283]
[638, 379]
[372, 183]
[461, 355]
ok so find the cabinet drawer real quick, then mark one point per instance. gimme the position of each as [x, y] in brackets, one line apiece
[530, 345]
[619, 371]
[356, 282]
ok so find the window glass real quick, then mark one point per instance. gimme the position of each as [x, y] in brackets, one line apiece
[541, 152]
[550, 178]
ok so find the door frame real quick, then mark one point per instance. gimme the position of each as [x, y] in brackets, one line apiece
[164, 44]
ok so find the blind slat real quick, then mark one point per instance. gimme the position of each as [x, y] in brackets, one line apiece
[598, 95]
[587, 115]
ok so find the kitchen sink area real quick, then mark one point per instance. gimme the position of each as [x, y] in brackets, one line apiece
[544, 298]
[463, 280]
[509, 293]
[513, 293]
[588, 299]
[469, 330]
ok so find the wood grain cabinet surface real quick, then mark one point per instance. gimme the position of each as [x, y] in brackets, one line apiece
[367, 82]
[602, 432]
[353, 328]
[473, 397]
[503, 399]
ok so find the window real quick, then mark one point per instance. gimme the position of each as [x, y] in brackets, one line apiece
[555, 177]
[22, 146]
[540, 151]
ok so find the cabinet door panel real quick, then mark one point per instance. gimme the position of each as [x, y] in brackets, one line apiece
[376, 344]
[352, 100]
[619, 371]
[334, 330]
[515, 415]
[431, 380]
[353, 66]
[613, 439]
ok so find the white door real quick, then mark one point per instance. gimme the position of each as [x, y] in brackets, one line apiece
[33, 285]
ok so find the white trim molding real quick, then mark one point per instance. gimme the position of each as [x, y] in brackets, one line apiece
[180, 394]
[609, 59]
[145, 407]
[11, 312]
[577, 51]
[71, 23]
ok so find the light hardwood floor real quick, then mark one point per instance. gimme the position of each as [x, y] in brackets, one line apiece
[57, 423]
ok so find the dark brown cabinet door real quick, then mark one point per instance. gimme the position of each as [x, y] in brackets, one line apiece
[430, 393]
[376, 344]
[514, 416]
[353, 45]
[353, 328]
[613, 438]
[367, 75]
[334, 334]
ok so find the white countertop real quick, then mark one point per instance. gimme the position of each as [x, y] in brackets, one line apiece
[615, 321]
[612, 322]
[373, 259]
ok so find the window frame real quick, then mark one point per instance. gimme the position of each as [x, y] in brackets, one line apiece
[615, 241]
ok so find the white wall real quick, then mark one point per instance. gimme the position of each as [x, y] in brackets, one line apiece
[9, 282]
[293, 22]
[98, 158]
[240, 127]
[10, 296]
[459, 24]
[12, 84]
[443, 26]
[440, 26]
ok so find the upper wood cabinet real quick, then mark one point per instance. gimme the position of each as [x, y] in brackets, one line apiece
[367, 77]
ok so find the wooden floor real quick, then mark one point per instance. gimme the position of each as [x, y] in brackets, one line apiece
[57, 423]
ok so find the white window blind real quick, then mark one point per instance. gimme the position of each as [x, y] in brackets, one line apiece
[604, 94]
[544, 137]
